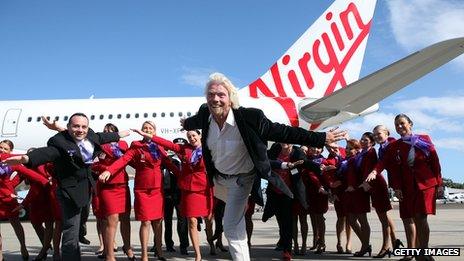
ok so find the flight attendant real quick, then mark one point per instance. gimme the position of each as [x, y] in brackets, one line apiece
[146, 157]
[196, 191]
[114, 197]
[358, 197]
[377, 189]
[334, 168]
[416, 179]
[8, 181]
[44, 208]
[317, 198]
[382, 137]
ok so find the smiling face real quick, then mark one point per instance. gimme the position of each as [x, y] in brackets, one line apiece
[218, 100]
[194, 138]
[403, 126]
[380, 135]
[5, 148]
[366, 142]
[148, 128]
[78, 127]
[313, 151]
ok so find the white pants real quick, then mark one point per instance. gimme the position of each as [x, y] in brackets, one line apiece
[238, 189]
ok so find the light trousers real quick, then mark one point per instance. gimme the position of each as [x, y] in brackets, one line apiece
[238, 189]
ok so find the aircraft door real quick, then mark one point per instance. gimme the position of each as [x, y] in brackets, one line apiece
[10, 123]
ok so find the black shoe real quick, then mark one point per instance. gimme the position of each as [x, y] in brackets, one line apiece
[383, 253]
[153, 249]
[183, 251]
[84, 241]
[170, 249]
[397, 244]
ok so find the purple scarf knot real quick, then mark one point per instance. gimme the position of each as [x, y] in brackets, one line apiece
[418, 142]
[359, 158]
[342, 168]
[154, 150]
[116, 150]
[318, 160]
[5, 169]
[383, 149]
[196, 156]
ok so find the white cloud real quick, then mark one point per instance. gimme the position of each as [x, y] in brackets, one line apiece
[196, 76]
[452, 143]
[449, 106]
[418, 23]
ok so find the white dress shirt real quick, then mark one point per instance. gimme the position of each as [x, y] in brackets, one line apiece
[228, 151]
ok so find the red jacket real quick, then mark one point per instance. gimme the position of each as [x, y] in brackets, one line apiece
[357, 174]
[426, 171]
[106, 158]
[193, 177]
[7, 185]
[38, 193]
[147, 170]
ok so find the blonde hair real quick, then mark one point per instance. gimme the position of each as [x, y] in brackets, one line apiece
[149, 123]
[382, 128]
[221, 79]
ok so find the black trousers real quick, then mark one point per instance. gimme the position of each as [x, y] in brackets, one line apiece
[218, 215]
[182, 226]
[284, 216]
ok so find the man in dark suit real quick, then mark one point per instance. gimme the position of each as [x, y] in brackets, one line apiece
[72, 151]
[234, 149]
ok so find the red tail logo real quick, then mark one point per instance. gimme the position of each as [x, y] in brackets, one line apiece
[334, 65]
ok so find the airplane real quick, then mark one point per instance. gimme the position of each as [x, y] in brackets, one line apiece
[314, 85]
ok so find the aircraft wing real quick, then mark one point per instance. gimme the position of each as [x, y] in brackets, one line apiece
[366, 92]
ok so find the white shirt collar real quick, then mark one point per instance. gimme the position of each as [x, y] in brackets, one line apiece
[229, 120]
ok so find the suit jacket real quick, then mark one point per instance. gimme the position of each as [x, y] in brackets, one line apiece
[73, 175]
[256, 131]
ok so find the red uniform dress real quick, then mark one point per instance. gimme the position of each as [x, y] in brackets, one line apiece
[318, 203]
[337, 175]
[146, 159]
[364, 163]
[416, 171]
[113, 196]
[41, 201]
[196, 192]
[8, 182]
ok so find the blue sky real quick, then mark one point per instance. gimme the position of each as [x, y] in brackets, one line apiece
[53, 49]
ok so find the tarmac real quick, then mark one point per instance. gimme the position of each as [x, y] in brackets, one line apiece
[447, 231]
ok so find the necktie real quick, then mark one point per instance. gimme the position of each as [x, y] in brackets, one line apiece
[86, 154]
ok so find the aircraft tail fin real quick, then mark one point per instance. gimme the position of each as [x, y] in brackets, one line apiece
[327, 57]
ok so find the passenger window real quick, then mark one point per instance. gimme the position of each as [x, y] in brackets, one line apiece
[180, 114]
[145, 115]
[171, 114]
[102, 117]
[65, 118]
[92, 117]
[163, 114]
[154, 115]
[110, 116]
[136, 115]
[128, 116]
[119, 116]
[189, 114]
[29, 119]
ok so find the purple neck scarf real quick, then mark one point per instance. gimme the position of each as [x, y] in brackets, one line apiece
[318, 160]
[5, 169]
[342, 168]
[383, 149]
[359, 158]
[154, 150]
[116, 150]
[196, 156]
[417, 141]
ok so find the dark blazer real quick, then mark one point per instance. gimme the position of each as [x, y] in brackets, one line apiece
[256, 131]
[72, 174]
